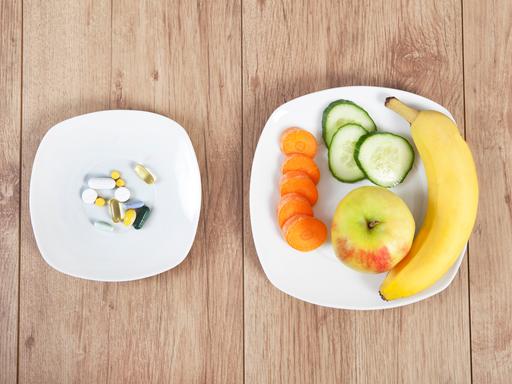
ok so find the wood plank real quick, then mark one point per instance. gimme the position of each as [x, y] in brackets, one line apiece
[66, 68]
[292, 48]
[488, 91]
[182, 59]
[179, 326]
[10, 128]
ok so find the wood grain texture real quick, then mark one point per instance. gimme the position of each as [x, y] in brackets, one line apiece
[292, 48]
[488, 91]
[182, 59]
[198, 62]
[10, 128]
[66, 72]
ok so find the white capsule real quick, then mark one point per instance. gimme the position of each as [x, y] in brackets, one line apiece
[122, 194]
[89, 196]
[133, 204]
[103, 226]
[101, 183]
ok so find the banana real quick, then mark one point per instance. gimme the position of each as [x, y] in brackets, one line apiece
[452, 202]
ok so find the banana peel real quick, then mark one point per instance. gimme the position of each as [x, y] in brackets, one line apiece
[452, 202]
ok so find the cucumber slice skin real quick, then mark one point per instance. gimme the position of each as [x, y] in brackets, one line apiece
[361, 167]
[330, 153]
[334, 104]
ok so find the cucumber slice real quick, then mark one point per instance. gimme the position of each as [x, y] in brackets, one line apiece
[341, 153]
[342, 112]
[384, 157]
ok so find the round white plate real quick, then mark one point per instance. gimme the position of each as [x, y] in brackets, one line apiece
[318, 277]
[93, 145]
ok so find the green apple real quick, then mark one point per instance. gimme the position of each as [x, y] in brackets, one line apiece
[372, 229]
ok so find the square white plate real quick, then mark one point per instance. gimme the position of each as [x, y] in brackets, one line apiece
[318, 277]
[93, 145]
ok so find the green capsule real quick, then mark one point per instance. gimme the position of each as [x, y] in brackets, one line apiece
[103, 226]
[142, 216]
[115, 210]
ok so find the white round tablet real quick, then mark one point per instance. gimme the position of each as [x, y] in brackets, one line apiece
[122, 194]
[89, 196]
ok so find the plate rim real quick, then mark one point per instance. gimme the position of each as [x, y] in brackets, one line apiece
[45, 138]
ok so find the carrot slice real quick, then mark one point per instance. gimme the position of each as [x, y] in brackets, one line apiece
[304, 233]
[299, 162]
[293, 204]
[298, 182]
[298, 140]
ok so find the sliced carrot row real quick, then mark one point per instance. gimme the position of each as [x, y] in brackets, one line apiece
[298, 191]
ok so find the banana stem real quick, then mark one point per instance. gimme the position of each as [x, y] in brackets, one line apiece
[403, 110]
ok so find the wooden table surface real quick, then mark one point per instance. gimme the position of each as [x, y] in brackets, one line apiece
[220, 68]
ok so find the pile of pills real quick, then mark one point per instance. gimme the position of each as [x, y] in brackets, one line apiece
[122, 209]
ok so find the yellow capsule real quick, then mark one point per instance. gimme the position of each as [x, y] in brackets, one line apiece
[129, 217]
[115, 210]
[100, 202]
[115, 175]
[120, 183]
[144, 173]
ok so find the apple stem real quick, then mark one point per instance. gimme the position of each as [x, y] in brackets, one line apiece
[372, 224]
